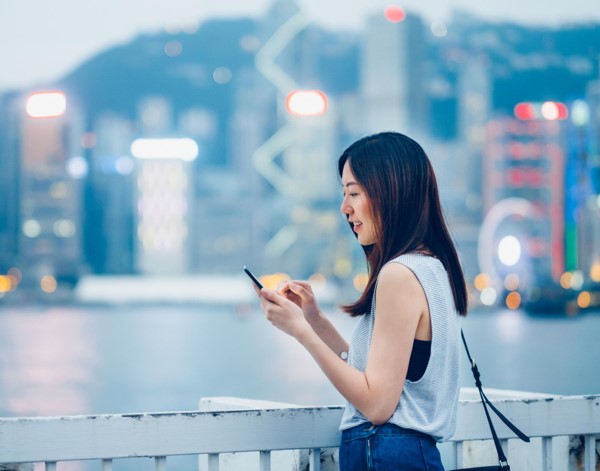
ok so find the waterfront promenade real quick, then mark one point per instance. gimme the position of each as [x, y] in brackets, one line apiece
[129, 367]
[565, 432]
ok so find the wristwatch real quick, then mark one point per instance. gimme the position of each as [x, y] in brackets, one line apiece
[344, 355]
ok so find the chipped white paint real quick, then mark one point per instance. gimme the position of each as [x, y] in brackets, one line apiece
[277, 427]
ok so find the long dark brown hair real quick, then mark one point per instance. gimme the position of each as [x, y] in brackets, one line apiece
[402, 191]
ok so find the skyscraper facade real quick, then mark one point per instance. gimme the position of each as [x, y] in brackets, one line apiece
[393, 76]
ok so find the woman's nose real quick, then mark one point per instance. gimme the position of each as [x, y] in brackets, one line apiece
[345, 208]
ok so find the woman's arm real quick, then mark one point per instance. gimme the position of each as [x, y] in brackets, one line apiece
[376, 392]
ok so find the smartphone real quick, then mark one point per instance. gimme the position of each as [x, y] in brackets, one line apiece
[253, 278]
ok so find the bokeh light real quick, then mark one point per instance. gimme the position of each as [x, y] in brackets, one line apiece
[482, 281]
[46, 104]
[48, 284]
[394, 14]
[488, 296]
[306, 103]
[513, 300]
[360, 281]
[511, 282]
[584, 299]
[509, 250]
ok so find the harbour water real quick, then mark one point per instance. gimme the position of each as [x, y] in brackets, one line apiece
[88, 359]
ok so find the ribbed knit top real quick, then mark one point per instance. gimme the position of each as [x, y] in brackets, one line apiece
[428, 405]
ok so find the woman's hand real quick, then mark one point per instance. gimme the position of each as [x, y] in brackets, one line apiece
[301, 294]
[284, 314]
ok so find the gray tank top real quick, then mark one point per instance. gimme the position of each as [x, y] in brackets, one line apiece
[428, 405]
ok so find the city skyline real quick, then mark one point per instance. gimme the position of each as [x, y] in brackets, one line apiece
[78, 203]
[36, 51]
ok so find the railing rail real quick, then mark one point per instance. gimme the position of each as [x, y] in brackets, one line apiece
[213, 432]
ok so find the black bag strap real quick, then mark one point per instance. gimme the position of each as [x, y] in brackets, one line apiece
[486, 402]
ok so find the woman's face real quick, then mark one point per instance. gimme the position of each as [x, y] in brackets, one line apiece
[357, 208]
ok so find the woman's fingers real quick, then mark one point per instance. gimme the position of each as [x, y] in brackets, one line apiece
[303, 291]
[273, 296]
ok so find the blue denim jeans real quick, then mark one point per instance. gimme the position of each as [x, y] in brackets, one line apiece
[387, 447]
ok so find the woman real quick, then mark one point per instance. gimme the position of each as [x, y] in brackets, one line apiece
[400, 379]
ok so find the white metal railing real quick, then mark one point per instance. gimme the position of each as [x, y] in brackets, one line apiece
[227, 425]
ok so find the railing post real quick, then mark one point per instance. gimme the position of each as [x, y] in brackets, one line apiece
[547, 460]
[315, 459]
[160, 463]
[457, 454]
[504, 445]
[265, 461]
[590, 453]
[213, 462]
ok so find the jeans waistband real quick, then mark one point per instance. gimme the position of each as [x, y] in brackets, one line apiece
[367, 429]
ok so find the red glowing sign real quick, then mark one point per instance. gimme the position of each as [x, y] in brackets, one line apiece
[394, 14]
[525, 111]
[549, 111]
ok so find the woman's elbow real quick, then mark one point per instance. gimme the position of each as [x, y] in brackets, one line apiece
[380, 415]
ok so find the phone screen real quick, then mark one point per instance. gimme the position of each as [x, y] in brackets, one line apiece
[253, 278]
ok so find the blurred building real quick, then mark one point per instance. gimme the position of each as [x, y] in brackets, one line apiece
[164, 191]
[304, 241]
[109, 196]
[393, 75]
[458, 163]
[524, 199]
[238, 199]
[592, 113]
[52, 167]
[474, 96]
[9, 184]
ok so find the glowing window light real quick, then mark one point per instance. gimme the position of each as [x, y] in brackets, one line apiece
[509, 250]
[77, 167]
[439, 29]
[360, 281]
[173, 48]
[5, 284]
[46, 104]
[488, 296]
[566, 279]
[552, 110]
[59, 190]
[32, 228]
[595, 272]
[584, 299]
[394, 14]
[306, 103]
[48, 284]
[342, 267]
[222, 75]
[511, 282]
[525, 111]
[482, 281]
[513, 300]
[183, 148]
[577, 280]
[124, 165]
[317, 279]
[64, 228]
[580, 113]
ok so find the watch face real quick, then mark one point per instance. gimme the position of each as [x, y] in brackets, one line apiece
[344, 355]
